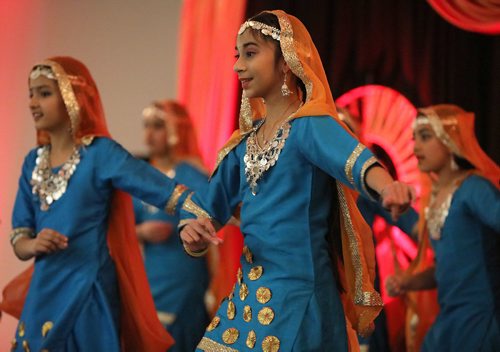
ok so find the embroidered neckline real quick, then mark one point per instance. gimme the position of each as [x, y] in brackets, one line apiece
[49, 186]
[436, 216]
[260, 159]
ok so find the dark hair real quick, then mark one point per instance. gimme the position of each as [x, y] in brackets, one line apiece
[271, 20]
[462, 163]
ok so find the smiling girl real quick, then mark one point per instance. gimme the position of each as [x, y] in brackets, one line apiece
[307, 267]
[462, 224]
[88, 290]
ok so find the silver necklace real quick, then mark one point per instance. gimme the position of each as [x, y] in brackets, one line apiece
[49, 186]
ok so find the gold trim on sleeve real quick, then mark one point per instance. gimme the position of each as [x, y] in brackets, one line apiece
[20, 232]
[193, 208]
[370, 162]
[349, 165]
[174, 199]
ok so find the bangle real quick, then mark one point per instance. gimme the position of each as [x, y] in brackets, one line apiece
[19, 233]
[194, 254]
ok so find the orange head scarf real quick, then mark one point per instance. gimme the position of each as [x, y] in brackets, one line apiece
[140, 328]
[357, 271]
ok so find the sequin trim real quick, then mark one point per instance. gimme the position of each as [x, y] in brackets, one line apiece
[432, 118]
[209, 345]
[349, 165]
[67, 93]
[174, 199]
[436, 217]
[368, 163]
[262, 27]
[193, 208]
[290, 54]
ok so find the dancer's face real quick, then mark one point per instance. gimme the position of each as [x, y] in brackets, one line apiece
[47, 106]
[155, 135]
[431, 153]
[260, 74]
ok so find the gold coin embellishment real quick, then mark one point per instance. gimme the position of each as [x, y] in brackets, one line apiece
[248, 255]
[213, 324]
[20, 329]
[251, 339]
[26, 347]
[231, 295]
[263, 295]
[230, 336]
[243, 291]
[255, 272]
[46, 327]
[239, 276]
[247, 314]
[266, 316]
[271, 344]
[231, 310]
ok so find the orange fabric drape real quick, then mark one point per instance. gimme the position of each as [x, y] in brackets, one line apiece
[208, 88]
[481, 16]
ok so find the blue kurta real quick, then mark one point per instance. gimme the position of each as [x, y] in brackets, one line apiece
[178, 283]
[76, 289]
[468, 272]
[286, 289]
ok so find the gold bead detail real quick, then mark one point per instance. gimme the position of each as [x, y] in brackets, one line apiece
[266, 316]
[231, 310]
[263, 295]
[251, 339]
[243, 291]
[26, 347]
[248, 255]
[255, 273]
[20, 329]
[239, 276]
[46, 327]
[271, 344]
[213, 324]
[247, 314]
[230, 336]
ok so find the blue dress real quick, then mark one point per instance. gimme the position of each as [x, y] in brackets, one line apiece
[73, 302]
[285, 296]
[178, 282]
[468, 272]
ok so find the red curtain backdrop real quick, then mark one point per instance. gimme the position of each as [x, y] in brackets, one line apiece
[208, 87]
[482, 16]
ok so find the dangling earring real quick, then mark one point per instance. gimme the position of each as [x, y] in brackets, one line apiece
[285, 91]
[453, 164]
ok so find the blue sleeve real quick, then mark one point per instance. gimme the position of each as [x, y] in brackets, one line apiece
[221, 196]
[326, 144]
[483, 201]
[123, 171]
[405, 223]
[23, 215]
[138, 211]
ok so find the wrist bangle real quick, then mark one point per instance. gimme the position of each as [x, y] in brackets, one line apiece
[194, 254]
[19, 233]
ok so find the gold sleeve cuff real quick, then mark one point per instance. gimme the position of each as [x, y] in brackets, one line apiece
[174, 199]
[20, 232]
[370, 162]
[349, 165]
[193, 208]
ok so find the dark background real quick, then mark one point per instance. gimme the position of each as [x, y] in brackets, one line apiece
[407, 46]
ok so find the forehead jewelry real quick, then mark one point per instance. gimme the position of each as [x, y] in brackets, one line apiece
[265, 29]
[41, 70]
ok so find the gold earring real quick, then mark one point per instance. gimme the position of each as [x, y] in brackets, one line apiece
[285, 91]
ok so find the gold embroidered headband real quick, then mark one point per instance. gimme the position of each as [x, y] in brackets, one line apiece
[265, 29]
[431, 118]
[41, 70]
